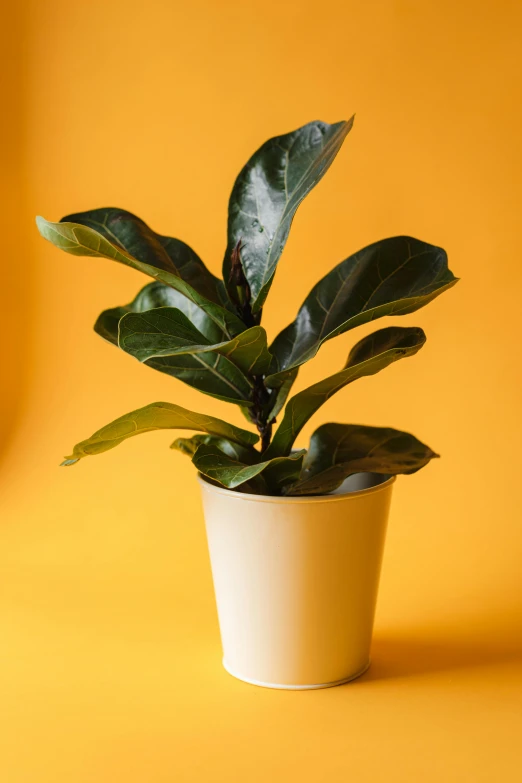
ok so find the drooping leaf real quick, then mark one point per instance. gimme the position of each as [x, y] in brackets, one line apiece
[210, 373]
[231, 473]
[392, 277]
[368, 357]
[339, 450]
[133, 235]
[267, 193]
[156, 416]
[245, 454]
[166, 331]
[82, 240]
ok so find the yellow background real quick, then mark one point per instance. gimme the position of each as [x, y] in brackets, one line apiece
[110, 659]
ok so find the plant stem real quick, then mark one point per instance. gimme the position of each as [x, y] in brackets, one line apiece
[241, 297]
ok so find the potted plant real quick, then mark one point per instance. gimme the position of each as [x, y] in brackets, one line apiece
[295, 536]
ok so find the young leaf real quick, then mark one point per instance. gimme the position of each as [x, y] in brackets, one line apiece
[392, 277]
[368, 357]
[245, 454]
[339, 450]
[166, 331]
[267, 193]
[157, 416]
[82, 240]
[231, 473]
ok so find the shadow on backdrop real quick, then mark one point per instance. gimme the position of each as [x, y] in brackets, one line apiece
[16, 298]
[412, 653]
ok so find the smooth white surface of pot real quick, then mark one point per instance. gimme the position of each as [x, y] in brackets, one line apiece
[296, 580]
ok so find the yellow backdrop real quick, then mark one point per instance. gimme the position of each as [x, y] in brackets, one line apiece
[110, 650]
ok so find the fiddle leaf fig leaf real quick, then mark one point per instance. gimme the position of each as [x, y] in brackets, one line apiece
[231, 473]
[244, 454]
[166, 331]
[171, 255]
[267, 193]
[371, 355]
[339, 450]
[82, 240]
[156, 416]
[155, 295]
[209, 372]
[395, 276]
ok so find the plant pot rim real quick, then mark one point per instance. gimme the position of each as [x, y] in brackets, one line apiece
[330, 498]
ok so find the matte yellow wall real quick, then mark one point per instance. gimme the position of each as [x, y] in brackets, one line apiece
[110, 651]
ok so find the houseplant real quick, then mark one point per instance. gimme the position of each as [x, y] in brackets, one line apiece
[329, 499]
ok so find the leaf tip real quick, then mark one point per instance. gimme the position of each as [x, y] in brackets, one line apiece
[69, 461]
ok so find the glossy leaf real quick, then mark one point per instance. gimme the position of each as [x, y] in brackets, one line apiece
[393, 277]
[339, 450]
[208, 372]
[368, 357]
[231, 473]
[172, 255]
[245, 454]
[157, 416]
[267, 194]
[158, 295]
[166, 331]
[82, 240]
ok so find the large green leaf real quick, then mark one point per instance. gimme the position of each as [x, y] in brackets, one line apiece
[267, 193]
[166, 331]
[208, 372]
[156, 416]
[82, 240]
[133, 235]
[391, 277]
[368, 357]
[231, 473]
[339, 450]
[154, 295]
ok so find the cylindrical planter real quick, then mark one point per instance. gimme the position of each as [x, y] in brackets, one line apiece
[296, 580]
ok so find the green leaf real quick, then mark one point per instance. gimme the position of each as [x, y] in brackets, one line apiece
[82, 240]
[133, 235]
[156, 416]
[339, 450]
[166, 331]
[279, 396]
[392, 277]
[155, 295]
[267, 193]
[231, 473]
[368, 357]
[189, 446]
[208, 372]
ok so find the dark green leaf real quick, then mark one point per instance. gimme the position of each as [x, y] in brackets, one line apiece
[267, 194]
[339, 450]
[368, 357]
[130, 233]
[166, 331]
[157, 416]
[82, 240]
[208, 372]
[231, 473]
[279, 396]
[158, 295]
[393, 277]
[245, 454]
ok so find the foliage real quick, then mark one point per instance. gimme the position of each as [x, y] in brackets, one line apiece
[206, 332]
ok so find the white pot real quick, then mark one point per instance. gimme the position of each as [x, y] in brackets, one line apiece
[296, 580]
